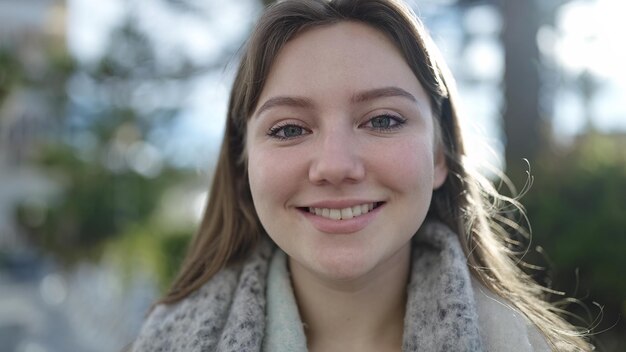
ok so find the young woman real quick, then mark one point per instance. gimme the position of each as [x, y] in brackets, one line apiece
[342, 214]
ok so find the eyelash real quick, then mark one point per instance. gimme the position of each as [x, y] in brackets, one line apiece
[275, 130]
[399, 121]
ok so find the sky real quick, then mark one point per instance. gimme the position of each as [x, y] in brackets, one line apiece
[589, 37]
[586, 37]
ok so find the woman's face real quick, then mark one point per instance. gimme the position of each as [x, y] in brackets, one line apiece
[342, 159]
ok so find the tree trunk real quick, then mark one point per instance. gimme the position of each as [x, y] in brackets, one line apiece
[521, 119]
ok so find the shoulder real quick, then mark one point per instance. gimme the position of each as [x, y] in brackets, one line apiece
[503, 326]
[199, 321]
[182, 323]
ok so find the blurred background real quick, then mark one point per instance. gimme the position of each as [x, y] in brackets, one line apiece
[111, 116]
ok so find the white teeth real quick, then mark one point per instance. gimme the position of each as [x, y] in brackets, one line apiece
[346, 213]
[342, 214]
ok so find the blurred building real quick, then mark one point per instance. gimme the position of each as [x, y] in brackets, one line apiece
[30, 32]
[42, 306]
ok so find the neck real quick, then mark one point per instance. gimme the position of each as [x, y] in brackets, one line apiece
[363, 314]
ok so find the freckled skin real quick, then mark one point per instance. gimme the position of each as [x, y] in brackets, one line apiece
[339, 156]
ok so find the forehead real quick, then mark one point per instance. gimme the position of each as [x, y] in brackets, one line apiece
[337, 60]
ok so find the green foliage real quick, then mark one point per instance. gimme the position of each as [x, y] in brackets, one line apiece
[111, 177]
[49, 79]
[94, 205]
[577, 208]
[149, 248]
[10, 73]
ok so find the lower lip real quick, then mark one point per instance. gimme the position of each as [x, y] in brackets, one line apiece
[341, 227]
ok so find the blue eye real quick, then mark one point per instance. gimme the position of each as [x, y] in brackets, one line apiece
[287, 131]
[292, 131]
[385, 122]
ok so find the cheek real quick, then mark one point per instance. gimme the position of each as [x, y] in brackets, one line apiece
[259, 176]
[407, 164]
[272, 175]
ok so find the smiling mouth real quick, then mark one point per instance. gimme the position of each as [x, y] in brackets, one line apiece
[344, 213]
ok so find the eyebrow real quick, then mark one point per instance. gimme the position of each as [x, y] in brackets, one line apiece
[360, 97]
[296, 102]
[382, 93]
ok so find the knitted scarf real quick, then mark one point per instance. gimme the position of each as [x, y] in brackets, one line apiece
[228, 313]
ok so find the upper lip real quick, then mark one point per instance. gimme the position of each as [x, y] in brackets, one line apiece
[340, 203]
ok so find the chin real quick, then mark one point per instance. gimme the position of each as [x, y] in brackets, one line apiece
[344, 265]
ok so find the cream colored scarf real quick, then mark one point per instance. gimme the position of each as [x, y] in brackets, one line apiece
[252, 308]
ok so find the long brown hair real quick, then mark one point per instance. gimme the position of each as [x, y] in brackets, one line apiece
[467, 202]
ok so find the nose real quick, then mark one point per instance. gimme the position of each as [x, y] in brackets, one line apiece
[336, 160]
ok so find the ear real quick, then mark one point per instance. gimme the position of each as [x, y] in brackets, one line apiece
[440, 170]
